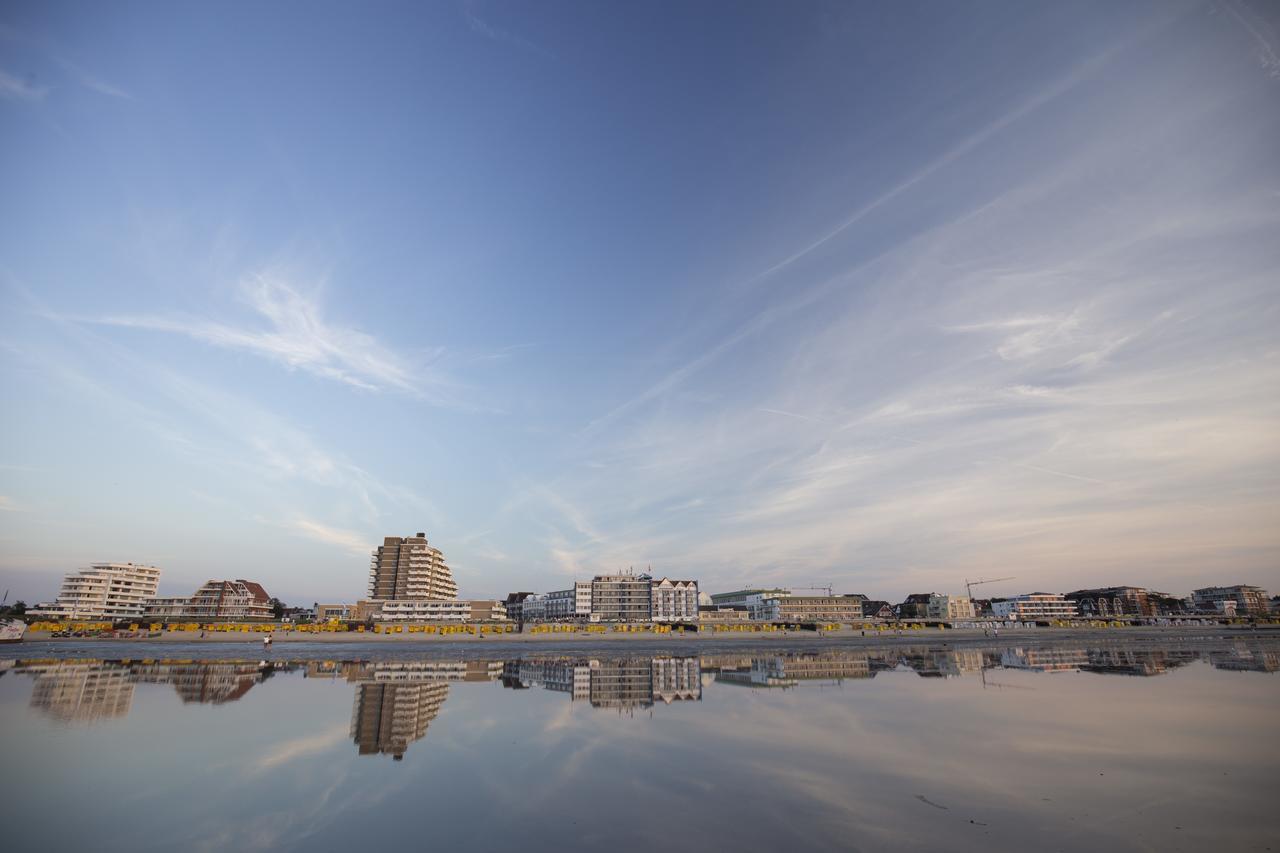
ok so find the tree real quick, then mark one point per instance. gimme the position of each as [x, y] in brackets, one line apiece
[18, 608]
[277, 608]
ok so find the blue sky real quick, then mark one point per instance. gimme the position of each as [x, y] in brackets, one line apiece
[876, 295]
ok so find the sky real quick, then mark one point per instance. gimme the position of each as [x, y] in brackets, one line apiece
[876, 296]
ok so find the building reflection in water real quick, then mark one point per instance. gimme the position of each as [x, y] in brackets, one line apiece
[395, 702]
[387, 717]
[205, 683]
[83, 691]
[1246, 657]
[622, 684]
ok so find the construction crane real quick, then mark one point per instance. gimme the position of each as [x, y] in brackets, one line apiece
[826, 589]
[969, 585]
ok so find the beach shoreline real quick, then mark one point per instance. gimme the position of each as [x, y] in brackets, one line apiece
[842, 636]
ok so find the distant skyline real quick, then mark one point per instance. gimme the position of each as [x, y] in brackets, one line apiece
[881, 296]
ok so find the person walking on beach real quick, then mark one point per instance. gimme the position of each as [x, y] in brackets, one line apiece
[266, 642]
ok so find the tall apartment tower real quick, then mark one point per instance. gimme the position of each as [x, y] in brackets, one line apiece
[406, 567]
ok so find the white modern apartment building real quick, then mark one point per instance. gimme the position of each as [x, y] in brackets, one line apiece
[408, 567]
[174, 607]
[103, 591]
[673, 601]
[1247, 599]
[1035, 605]
[950, 607]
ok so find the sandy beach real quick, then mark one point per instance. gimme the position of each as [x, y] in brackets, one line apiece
[844, 636]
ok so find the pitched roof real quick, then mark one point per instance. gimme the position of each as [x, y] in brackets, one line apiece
[255, 589]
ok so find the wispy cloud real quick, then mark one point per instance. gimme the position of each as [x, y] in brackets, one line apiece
[349, 540]
[17, 89]
[1042, 379]
[289, 751]
[299, 337]
[478, 24]
[1083, 71]
[1263, 34]
[795, 415]
[93, 82]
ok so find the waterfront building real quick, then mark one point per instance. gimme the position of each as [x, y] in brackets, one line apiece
[486, 610]
[1248, 600]
[1164, 604]
[1035, 605]
[748, 598]
[621, 598]
[331, 612]
[916, 605]
[713, 615]
[877, 609]
[1110, 601]
[172, 607]
[533, 609]
[572, 603]
[238, 599]
[297, 614]
[811, 608]
[514, 604]
[103, 591]
[673, 601]
[949, 607]
[409, 568]
[364, 610]
[432, 610]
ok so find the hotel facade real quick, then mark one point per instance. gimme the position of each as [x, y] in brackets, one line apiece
[1242, 598]
[1035, 605]
[103, 591]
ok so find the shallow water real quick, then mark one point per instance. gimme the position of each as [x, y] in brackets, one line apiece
[1044, 746]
